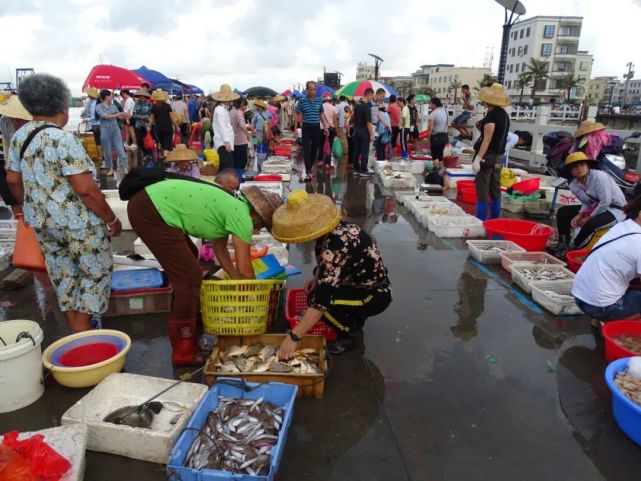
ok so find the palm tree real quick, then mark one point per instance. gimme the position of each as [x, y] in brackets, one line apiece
[486, 81]
[567, 83]
[522, 82]
[454, 86]
[537, 70]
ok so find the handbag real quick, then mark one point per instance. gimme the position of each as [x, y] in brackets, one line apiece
[27, 253]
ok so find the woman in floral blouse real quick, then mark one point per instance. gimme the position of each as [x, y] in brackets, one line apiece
[55, 181]
[350, 280]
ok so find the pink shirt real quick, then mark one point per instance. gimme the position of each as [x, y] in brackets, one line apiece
[329, 111]
[237, 120]
[274, 111]
[394, 112]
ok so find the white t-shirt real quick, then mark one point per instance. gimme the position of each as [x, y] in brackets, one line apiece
[439, 116]
[605, 275]
[129, 105]
[511, 141]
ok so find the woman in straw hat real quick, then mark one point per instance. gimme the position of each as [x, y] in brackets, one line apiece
[90, 112]
[141, 116]
[261, 123]
[166, 213]
[591, 137]
[183, 161]
[490, 150]
[221, 123]
[162, 122]
[14, 116]
[56, 183]
[350, 282]
[601, 199]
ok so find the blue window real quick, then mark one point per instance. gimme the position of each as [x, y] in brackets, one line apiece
[548, 32]
[546, 49]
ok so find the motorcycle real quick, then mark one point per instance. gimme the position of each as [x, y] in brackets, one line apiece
[557, 145]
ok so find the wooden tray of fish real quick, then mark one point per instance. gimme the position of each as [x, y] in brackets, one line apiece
[556, 297]
[524, 275]
[489, 251]
[254, 358]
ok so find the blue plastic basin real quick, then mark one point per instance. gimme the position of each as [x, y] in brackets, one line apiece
[626, 413]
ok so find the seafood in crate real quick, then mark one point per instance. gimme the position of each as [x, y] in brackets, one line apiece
[524, 275]
[556, 297]
[238, 436]
[509, 259]
[631, 342]
[398, 180]
[489, 251]
[456, 226]
[424, 214]
[629, 386]
[260, 358]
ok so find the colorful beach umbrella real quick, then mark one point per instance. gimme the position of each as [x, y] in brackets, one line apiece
[357, 88]
[286, 93]
[112, 77]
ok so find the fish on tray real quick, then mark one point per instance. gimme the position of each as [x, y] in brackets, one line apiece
[263, 358]
[543, 274]
[559, 297]
[238, 437]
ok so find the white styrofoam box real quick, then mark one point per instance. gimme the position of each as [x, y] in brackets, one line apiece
[275, 187]
[380, 165]
[426, 213]
[417, 166]
[558, 307]
[121, 389]
[68, 441]
[456, 226]
[404, 198]
[399, 180]
[401, 166]
[119, 260]
[414, 205]
[142, 250]
[454, 175]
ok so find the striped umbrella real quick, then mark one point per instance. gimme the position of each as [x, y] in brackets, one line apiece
[357, 88]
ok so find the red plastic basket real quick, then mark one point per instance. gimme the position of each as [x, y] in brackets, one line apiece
[283, 150]
[268, 178]
[468, 194]
[575, 259]
[528, 186]
[614, 351]
[465, 184]
[295, 302]
[532, 236]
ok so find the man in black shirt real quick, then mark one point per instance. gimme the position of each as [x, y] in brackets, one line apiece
[363, 133]
[490, 149]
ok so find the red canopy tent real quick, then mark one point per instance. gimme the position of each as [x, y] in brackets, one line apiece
[112, 77]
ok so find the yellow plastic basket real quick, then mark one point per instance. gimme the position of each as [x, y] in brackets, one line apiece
[239, 307]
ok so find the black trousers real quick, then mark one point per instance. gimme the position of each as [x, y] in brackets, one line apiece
[311, 140]
[395, 131]
[351, 306]
[226, 159]
[564, 218]
[165, 139]
[437, 145]
[95, 129]
[240, 156]
[361, 150]
[141, 133]
[488, 181]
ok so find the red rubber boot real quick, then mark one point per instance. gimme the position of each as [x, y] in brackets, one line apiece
[184, 346]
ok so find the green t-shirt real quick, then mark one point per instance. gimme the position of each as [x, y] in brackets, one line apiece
[200, 210]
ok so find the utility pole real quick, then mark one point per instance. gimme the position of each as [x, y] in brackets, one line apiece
[627, 77]
[377, 61]
[513, 10]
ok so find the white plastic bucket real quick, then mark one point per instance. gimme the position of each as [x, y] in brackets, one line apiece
[20, 365]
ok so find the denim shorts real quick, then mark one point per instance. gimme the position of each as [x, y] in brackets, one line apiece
[462, 118]
[628, 305]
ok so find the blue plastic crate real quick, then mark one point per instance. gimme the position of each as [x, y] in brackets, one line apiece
[626, 413]
[277, 393]
[135, 279]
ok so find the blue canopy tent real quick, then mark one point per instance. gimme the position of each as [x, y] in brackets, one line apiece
[186, 88]
[323, 89]
[192, 89]
[158, 80]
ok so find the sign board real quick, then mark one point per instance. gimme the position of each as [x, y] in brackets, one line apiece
[22, 73]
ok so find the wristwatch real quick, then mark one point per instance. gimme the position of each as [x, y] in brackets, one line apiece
[293, 335]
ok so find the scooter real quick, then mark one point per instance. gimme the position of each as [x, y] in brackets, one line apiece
[611, 160]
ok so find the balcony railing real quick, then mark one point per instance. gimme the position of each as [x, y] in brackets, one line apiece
[557, 114]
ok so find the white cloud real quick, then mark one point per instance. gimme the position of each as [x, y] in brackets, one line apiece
[279, 43]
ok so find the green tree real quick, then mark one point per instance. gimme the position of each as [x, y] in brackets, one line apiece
[567, 83]
[537, 69]
[522, 82]
[486, 81]
[454, 86]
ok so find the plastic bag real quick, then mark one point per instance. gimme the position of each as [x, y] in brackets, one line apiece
[327, 150]
[149, 143]
[46, 463]
[14, 466]
[508, 178]
[337, 148]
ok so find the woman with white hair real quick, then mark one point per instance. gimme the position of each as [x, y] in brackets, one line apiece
[54, 179]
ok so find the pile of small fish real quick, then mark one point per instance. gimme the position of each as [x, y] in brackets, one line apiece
[263, 358]
[237, 437]
[543, 274]
[629, 386]
[558, 297]
[631, 342]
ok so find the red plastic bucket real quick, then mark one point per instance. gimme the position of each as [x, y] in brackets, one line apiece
[528, 186]
[295, 303]
[532, 236]
[465, 184]
[468, 194]
[88, 354]
[575, 259]
[614, 351]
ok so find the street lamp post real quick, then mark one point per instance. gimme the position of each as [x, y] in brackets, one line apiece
[377, 61]
[612, 85]
[513, 10]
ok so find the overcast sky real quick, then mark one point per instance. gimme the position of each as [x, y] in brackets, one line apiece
[278, 43]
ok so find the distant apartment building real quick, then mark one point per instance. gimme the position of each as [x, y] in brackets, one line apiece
[603, 90]
[364, 71]
[440, 77]
[633, 92]
[555, 41]
[404, 84]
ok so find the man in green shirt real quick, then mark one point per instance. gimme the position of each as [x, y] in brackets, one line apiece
[166, 213]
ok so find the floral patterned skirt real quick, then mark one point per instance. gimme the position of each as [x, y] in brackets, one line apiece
[79, 264]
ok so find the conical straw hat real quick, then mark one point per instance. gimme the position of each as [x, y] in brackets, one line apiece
[305, 217]
[494, 95]
[225, 94]
[180, 153]
[14, 109]
[263, 203]
[587, 127]
[159, 94]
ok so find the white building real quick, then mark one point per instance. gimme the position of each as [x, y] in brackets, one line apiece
[364, 71]
[440, 77]
[633, 92]
[555, 41]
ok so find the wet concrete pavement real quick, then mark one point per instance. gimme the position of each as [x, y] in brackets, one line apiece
[461, 378]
